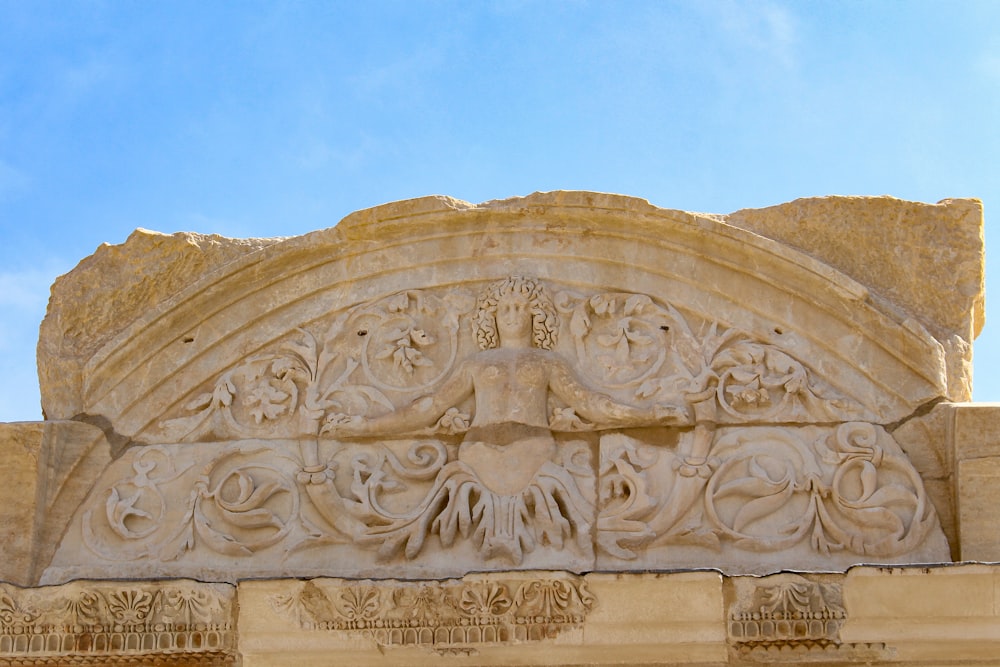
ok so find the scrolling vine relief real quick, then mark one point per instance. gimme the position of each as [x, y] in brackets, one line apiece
[515, 423]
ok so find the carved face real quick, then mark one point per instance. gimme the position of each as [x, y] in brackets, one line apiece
[513, 318]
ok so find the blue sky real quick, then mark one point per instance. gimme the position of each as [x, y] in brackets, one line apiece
[274, 119]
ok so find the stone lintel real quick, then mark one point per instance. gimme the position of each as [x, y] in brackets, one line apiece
[945, 615]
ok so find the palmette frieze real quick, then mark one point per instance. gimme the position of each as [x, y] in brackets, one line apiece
[443, 613]
[173, 622]
[792, 618]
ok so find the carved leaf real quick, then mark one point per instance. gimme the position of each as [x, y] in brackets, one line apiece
[760, 508]
[892, 494]
[636, 303]
[579, 323]
[758, 484]
[199, 402]
[224, 544]
[119, 510]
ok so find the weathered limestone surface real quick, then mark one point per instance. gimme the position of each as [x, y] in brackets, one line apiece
[20, 445]
[947, 615]
[486, 432]
[936, 273]
[110, 289]
[50, 469]
[976, 433]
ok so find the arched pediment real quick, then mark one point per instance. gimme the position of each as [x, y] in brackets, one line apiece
[676, 343]
[711, 270]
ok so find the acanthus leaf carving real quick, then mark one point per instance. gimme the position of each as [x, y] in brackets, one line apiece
[842, 493]
[390, 438]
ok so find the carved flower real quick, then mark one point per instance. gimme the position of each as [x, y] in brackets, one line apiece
[404, 349]
[748, 394]
[11, 610]
[427, 604]
[265, 401]
[189, 605]
[82, 608]
[786, 598]
[552, 597]
[360, 603]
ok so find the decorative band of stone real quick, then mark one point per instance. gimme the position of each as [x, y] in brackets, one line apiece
[440, 614]
[169, 622]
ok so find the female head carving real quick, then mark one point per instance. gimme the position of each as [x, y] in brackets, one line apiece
[544, 321]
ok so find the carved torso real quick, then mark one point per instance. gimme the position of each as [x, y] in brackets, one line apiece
[511, 386]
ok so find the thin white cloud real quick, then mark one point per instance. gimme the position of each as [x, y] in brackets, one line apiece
[765, 27]
[403, 75]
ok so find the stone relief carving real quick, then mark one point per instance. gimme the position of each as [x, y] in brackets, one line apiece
[149, 622]
[379, 356]
[522, 420]
[788, 617]
[440, 614]
[843, 489]
[244, 499]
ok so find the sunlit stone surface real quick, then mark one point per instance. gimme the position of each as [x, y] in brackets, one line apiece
[452, 415]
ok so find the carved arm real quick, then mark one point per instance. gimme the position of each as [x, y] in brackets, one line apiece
[421, 413]
[601, 408]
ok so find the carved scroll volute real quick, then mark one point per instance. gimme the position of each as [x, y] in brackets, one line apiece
[410, 441]
[372, 358]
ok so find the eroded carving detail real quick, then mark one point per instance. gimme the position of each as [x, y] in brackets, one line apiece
[506, 510]
[82, 623]
[238, 503]
[629, 342]
[441, 614]
[766, 489]
[843, 491]
[790, 618]
[387, 433]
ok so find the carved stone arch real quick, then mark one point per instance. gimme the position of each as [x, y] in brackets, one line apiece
[713, 270]
[838, 353]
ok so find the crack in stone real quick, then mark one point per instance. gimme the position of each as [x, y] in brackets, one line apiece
[119, 443]
[921, 411]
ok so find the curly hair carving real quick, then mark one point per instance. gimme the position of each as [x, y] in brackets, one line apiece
[544, 320]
